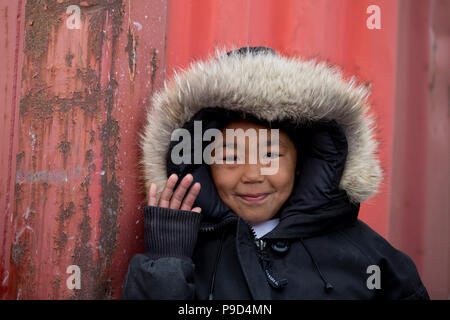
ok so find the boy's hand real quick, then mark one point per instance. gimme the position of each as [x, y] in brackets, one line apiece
[175, 200]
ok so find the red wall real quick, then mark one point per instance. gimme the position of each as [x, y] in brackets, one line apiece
[73, 102]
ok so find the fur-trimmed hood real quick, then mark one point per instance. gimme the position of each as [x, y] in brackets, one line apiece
[271, 87]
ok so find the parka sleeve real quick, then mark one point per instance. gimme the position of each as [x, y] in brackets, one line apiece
[400, 278]
[165, 271]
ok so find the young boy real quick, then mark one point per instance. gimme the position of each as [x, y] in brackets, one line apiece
[282, 227]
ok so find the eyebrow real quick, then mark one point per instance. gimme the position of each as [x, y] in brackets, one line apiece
[281, 143]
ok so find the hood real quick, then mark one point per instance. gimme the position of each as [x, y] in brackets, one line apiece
[341, 168]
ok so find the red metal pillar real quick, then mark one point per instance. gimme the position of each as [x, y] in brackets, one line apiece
[77, 194]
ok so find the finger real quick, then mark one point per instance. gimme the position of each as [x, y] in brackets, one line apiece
[179, 193]
[167, 191]
[152, 195]
[197, 209]
[191, 196]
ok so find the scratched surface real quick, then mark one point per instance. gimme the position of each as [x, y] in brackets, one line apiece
[77, 194]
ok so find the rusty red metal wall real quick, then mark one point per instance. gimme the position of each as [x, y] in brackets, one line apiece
[420, 207]
[73, 100]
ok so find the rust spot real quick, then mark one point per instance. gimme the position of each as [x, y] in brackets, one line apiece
[89, 156]
[83, 253]
[65, 214]
[96, 33]
[85, 188]
[132, 55]
[41, 17]
[111, 204]
[18, 192]
[83, 257]
[64, 147]
[19, 157]
[92, 135]
[89, 77]
[110, 195]
[69, 57]
[42, 106]
[17, 253]
[55, 288]
[154, 66]
[38, 103]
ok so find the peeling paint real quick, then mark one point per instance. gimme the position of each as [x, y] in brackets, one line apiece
[69, 57]
[111, 191]
[83, 255]
[57, 177]
[64, 147]
[65, 214]
[41, 17]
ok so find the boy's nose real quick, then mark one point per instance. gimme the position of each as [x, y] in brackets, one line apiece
[252, 174]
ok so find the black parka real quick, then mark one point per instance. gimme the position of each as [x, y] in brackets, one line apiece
[319, 249]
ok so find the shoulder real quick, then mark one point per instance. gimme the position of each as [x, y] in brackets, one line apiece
[399, 276]
[373, 245]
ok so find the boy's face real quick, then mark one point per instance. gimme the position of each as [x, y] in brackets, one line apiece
[242, 187]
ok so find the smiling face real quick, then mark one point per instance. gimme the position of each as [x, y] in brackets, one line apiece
[242, 187]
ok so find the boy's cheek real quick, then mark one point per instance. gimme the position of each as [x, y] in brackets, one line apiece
[271, 169]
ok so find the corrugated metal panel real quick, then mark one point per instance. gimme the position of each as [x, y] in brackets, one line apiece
[420, 207]
[73, 101]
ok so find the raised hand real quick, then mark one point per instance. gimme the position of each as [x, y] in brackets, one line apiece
[174, 200]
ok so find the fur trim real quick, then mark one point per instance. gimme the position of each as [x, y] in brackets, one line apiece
[271, 87]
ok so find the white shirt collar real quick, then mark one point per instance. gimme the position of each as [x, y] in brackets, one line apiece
[264, 227]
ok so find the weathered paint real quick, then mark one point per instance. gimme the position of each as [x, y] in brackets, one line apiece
[420, 205]
[11, 48]
[74, 101]
[72, 169]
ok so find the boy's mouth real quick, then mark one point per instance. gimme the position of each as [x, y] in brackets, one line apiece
[253, 198]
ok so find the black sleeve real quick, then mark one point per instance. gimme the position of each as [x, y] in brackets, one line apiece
[400, 278]
[165, 270]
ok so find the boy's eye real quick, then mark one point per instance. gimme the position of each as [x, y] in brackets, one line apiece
[272, 155]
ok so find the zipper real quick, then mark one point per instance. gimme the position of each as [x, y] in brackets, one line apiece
[260, 244]
[265, 261]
